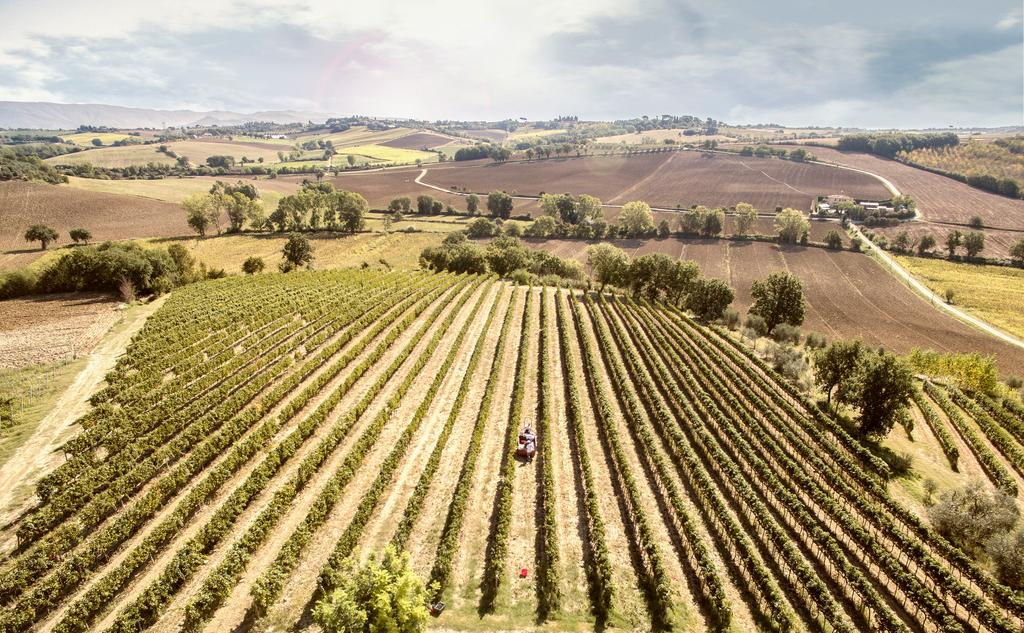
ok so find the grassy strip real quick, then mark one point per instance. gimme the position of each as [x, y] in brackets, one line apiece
[419, 493]
[548, 591]
[656, 581]
[497, 550]
[938, 428]
[440, 573]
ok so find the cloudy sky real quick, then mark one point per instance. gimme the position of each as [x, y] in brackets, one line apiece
[870, 63]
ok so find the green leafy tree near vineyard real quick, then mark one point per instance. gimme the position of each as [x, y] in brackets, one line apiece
[297, 253]
[42, 234]
[778, 298]
[377, 596]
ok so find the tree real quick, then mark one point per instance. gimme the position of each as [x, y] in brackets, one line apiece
[437, 207]
[80, 235]
[589, 208]
[200, 211]
[253, 265]
[481, 227]
[42, 234]
[746, 215]
[836, 365]
[506, 254]
[636, 219]
[953, 241]
[401, 204]
[971, 516]
[377, 596]
[424, 203]
[1017, 252]
[241, 208]
[658, 276]
[97, 142]
[664, 230]
[713, 222]
[925, 245]
[608, 263]
[883, 386]
[473, 204]
[778, 298]
[562, 206]
[351, 209]
[834, 240]
[974, 243]
[791, 224]
[709, 298]
[351, 160]
[1007, 554]
[544, 226]
[297, 252]
[902, 242]
[500, 204]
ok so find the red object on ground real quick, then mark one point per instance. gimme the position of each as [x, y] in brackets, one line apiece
[523, 572]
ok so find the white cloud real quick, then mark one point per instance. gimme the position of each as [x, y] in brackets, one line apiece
[739, 61]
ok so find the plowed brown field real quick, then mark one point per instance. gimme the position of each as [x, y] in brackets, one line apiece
[420, 140]
[848, 294]
[107, 216]
[665, 179]
[940, 199]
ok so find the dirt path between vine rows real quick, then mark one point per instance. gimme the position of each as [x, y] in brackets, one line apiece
[40, 453]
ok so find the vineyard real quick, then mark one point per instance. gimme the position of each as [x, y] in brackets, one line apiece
[261, 430]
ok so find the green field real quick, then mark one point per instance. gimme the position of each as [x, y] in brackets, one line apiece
[994, 293]
[85, 138]
[35, 390]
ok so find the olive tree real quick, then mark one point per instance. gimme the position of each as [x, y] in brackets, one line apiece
[778, 298]
[42, 234]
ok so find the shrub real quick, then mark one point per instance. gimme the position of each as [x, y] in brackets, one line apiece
[976, 222]
[969, 517]
[756, 324]
[253, 265]
[834, 240]
[375, 596]
[855, 244]
[785, 333]
[815, 341]
[1007, 554]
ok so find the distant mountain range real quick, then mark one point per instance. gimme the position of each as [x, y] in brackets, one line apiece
[68, 116]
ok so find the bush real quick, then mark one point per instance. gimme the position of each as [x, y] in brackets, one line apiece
[976, 222]
[971, 516]
[788, 361]
[376, 596]
[815, 341]
[757, 324]
[481, 227]
[786, 333]
[253, 265]
[855, 244]
[834, 240]
[523, 277]
[1007, 554]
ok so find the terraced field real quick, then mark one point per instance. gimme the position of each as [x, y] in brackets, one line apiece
[259, 430]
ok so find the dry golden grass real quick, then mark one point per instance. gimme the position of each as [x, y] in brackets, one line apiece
[992, 292]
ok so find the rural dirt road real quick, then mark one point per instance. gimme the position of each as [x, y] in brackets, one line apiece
[937, 302]
[40, 452]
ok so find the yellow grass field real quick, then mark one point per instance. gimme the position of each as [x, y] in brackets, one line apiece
[359, 135]
[176, 189]
[530, 132]
[992, 292]
[330, 250]
[115, 157]
[85, 138]
[196, 151]
[383, 153]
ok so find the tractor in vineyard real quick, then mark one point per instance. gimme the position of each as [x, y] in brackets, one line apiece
[527, 445]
